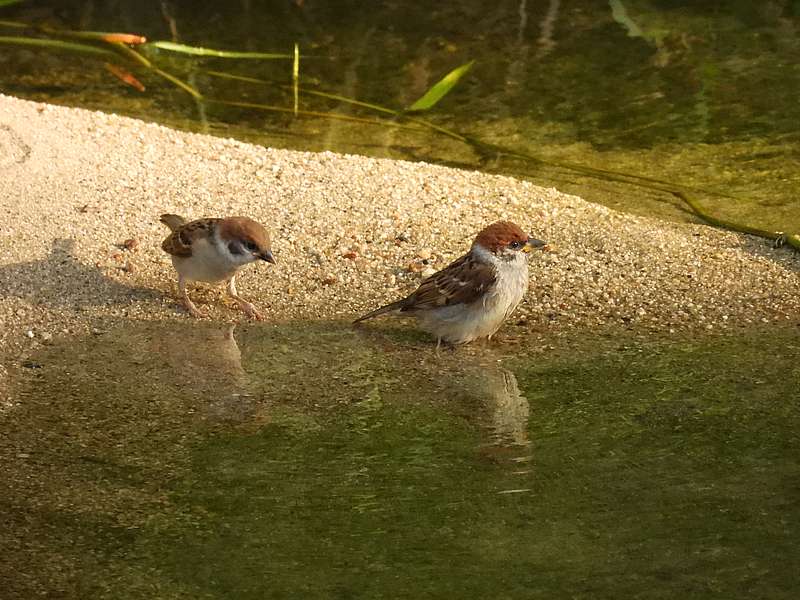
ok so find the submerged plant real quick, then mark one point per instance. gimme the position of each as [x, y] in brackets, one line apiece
[197, 51]
[441, 88]
[138, 53]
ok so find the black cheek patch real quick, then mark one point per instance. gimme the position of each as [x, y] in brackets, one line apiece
[234, 248]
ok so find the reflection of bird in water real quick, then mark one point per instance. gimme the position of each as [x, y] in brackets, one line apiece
[496, 388]
[206, 362]
[203, 357]
[508, 413]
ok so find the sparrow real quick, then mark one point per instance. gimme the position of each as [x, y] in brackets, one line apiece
[213, 250]
[471, 297]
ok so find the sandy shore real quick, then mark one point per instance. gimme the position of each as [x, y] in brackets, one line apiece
[349, 233]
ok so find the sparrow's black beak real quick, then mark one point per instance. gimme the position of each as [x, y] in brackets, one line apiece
[533, 243]
[267, 256]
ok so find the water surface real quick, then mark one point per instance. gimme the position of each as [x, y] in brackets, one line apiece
[191, 460]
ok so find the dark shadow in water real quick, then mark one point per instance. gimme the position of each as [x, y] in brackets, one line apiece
[60, 279]
[193, 460]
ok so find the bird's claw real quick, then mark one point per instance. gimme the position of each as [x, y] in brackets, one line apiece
[250, 310]
[195, 312]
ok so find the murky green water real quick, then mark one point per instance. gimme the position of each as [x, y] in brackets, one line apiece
[188, 460]
[699, 93]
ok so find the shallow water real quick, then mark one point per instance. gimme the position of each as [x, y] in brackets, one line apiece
[696, 93]
[189, 460]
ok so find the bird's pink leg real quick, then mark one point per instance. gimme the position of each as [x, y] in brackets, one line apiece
[246, 306]
[187, 302]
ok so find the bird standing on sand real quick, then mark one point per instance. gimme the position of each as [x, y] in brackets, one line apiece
[213, 250]
[471, 297]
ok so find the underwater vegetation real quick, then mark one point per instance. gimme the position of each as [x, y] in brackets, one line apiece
[200, 72]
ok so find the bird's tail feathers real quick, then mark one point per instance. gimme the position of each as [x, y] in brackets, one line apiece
[172, 221]
[383, 310]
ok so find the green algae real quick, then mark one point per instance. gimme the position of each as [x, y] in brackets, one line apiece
[192, 460]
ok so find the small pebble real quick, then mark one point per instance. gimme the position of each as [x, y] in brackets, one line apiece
[424, 254]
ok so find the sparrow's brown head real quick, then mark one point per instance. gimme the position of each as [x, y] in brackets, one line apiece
[506, 237]
[246, 237]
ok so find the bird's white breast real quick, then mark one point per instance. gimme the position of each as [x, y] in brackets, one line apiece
[209, 262]
[461, 323]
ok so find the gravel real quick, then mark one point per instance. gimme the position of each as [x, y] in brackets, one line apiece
[81, 193]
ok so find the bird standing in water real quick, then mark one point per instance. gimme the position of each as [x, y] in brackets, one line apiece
[475, 294]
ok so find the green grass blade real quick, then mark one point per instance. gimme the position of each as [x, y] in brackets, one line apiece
[235, 77]
[310, 113]
[345, 100]
[296, 78]
[9, 2]
[441, 88]
[14, 24]
[181, 84]
[131, 54]
[54, 45]
[382, 109]
[198, 51]
[137, 57]
[310, 92]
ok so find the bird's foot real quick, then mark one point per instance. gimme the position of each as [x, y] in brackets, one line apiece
[194, 311]
[250, 310]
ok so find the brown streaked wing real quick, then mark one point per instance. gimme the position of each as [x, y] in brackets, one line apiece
[461, 282]
[179, 242]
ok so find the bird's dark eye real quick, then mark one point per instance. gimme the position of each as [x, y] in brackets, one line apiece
[515, 245]
[250, 246]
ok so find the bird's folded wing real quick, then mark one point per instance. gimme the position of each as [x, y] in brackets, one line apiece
[179, 242]
[462, 282]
